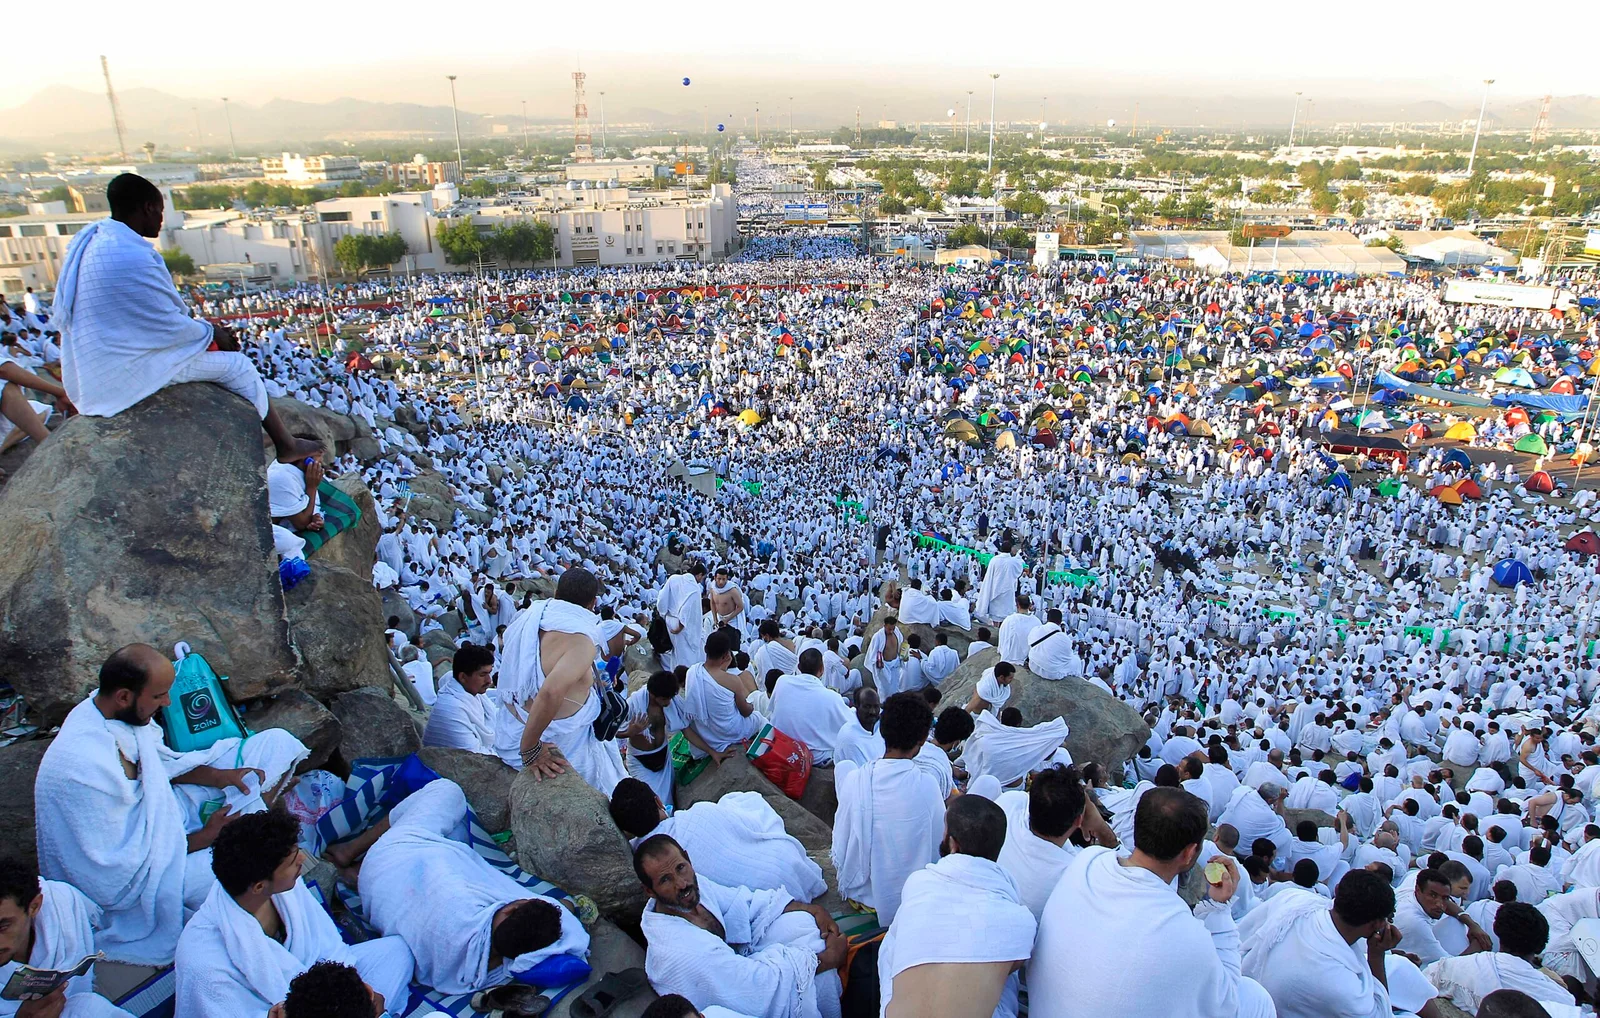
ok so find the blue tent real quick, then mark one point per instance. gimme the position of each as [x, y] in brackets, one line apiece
[1340, 480]
[577, 402]
[1509, 572]
[1457, 457]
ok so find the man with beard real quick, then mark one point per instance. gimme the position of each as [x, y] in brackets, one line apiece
[120, 815]
[754, 952]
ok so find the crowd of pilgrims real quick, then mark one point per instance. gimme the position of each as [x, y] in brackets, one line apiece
[758, 459]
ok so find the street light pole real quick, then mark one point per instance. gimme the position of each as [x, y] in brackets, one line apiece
[1293, 117]
[525, 125]
[461, 169]
[791, 114]
[992, 79]
[1479, 129]
[968, 143]
[228, 116]
[602, 125]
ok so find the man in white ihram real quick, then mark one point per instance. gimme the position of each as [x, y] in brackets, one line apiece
[125, 332]
[997, 595]
[679, 604]
[918, 607]
[119, 814]
[548, 702]
[1106, 912]
[805, 709]
[961, 936]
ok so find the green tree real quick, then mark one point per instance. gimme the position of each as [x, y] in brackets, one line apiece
[178, 262]
[479, 187]
[520, 241]
[460, 242]
[1269, 194]
[1416, 184]
[1197, 207]
[1358, 208]
[353, 189]
[966, 233]
[819, 177]
[357, 251]
[1324, 201]
[1393, 243]
[1025, 203]
[889, 205]
[1346, 169]
[57, 193]
[1016, 236]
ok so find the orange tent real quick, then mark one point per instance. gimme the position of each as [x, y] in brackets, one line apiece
[1515, 416]
[1446, 494]
[1468, 488]
[1564, 386]
[1540, 481]
[1419, 431]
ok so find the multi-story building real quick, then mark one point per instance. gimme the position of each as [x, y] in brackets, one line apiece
[621, 171]
[419, 174]
[293, 168]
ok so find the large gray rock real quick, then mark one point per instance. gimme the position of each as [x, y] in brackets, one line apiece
[393, 605]
[147, 527]
[738, 775]
[337, 621]
[484, 778]
[373, 726]
[1292, 818]
[364, 446]
[564, 834]
[336, 432]
[1101, 727]
[432, 500]
[19, 763]
[356, 548]
[820, 798]
[305, 719]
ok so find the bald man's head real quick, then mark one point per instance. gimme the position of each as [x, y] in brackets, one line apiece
[134, 683]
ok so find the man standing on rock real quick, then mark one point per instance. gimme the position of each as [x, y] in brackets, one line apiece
[120, 815]
[997, 595]
[548, 698]
[125, 332]
[679, 605]
[727, 600]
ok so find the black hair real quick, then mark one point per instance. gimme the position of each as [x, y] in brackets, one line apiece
[1305, 872]
[811, 661]
[1511, 1004]
[19, 881]
[1431, 876]
[653, 847]
[905, 722]
[1011, 717]
[769, 627]
[977, 825]
[1521, 929]
[1055, 801]
[670, 1006]
[1004, 668]
[1362, 897]
[532, 924]
[123, 669]
[1306, 830]
[577, 586]
[662, 684]
[1167, 777]
[1167, 821]
[328, 990]
[129, 193]
[718, 646]
[634, 808]
[251, 847]
[1504, 891]
[470, 658]
[954, 725]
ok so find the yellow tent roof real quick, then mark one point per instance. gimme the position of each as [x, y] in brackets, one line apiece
[749, 417]
[1461, 432]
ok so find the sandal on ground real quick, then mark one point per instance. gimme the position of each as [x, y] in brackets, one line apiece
[603, 997]
[511, 1000]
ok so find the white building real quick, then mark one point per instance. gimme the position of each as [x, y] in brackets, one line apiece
[621, 171]
[293, 168]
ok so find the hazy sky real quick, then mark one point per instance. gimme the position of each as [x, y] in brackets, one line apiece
[916, 58]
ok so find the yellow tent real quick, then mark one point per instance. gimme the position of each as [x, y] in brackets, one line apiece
[749, 417]
[1131, 457]
[1462, 432]
[1200, 429]
[1007, 439]
[1447, 495]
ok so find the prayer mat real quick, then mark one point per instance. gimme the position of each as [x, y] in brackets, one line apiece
[339, 513]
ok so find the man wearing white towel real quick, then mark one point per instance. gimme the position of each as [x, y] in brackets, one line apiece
[891, 814]
[679, 605]
[469, 925]
[997, 595]
[463, 713]
[718, 698]
[858, 741]
[737, 840]
[788, 953]
[261, 927]
[1039, 824]
[962, 935]
[48, 925]
[918, 607]
[120, 815]
[805, 709]
[548, 701]
[1106, 911]
[125, 332]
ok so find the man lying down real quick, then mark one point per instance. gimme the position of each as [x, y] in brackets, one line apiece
[469, 925]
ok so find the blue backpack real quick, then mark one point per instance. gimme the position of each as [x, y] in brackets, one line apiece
[199, 715]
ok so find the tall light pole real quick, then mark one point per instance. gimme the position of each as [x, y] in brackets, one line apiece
[602, 124]
[228, 116]
[791, 114]
[968, 143]
[1293, 117]
[992, 79]
[1479, 129]
[461, 169]
[525, 124]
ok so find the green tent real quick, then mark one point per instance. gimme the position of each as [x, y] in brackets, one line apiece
[1390, 486]
[1533, 445]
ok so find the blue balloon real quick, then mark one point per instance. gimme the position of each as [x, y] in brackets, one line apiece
[720, 127]
[686, 81]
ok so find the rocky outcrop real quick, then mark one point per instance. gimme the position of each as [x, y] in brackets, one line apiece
[737, 775]
[1292, 818]
[432, 500]
[374, 726]
[820, 798]
[1101, 727]
[484, 778]
[147, 527]
[19, 763]
[337, 622]
[336, 432]
[305, 719]
[356, 548]
[564, 834]
[393, 605]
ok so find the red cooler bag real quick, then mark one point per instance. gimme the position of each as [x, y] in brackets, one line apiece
[785, 761]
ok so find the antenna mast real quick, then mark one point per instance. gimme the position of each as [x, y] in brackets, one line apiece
[582, 140]
[1541, 126]
[116, 109]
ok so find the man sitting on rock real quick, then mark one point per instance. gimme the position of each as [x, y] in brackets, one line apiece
[548, 702]
[261, 927]
[48, 925]
[806, 709]
[469, 925]
[120, 815]
[292, 492]
[858, 741]
[787, 955]
[718, 698]
[738, 840]
[463, 714]
[125, 332]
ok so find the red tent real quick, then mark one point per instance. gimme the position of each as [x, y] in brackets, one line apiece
[1541, 482]
[1468, 488]
[1564, 386]
[1419, 431]
[1515, 416]
[1584, 543]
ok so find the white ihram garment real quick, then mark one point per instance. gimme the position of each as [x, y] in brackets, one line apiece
[739, 840]
[1010, 754]
[804, 708]
[889, 824]
[63, 935]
